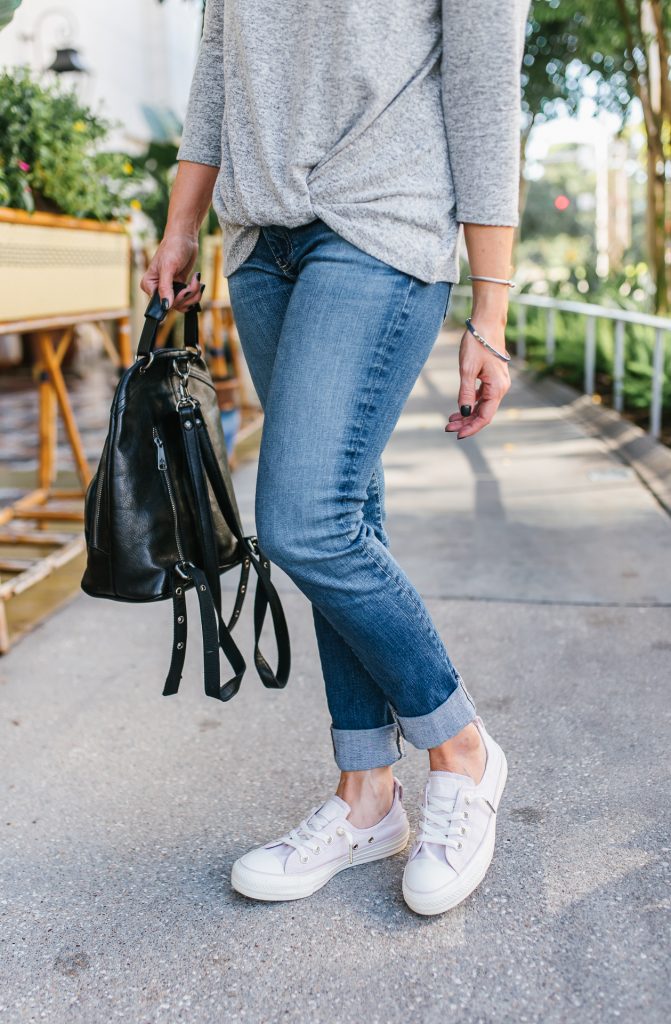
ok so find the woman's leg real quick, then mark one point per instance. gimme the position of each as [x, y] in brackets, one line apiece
[354, 338]
[260, 294]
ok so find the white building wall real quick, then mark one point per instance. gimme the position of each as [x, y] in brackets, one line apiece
[138, 52]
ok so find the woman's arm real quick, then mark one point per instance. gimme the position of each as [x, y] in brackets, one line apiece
[199, 157]
[176, 256]
[489, 253]
[201, 135]
[483, 44]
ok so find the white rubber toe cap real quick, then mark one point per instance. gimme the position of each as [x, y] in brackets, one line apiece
[263, 860]
[426, 875]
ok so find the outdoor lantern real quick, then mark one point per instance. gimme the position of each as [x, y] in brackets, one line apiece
[67, 59]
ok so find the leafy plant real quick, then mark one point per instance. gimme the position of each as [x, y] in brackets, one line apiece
[51, 156]
[7, 9]
[159, 164]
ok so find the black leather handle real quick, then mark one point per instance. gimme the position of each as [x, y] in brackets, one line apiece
[155, 314]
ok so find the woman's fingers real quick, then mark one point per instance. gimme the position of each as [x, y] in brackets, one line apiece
[480, 418]
[149, 282]
[483, 399]
[167, 274]
[173, 261]
[485, 408]
[190, 294]
[469, 374]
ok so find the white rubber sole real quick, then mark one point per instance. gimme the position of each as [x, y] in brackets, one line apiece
[259, 886]
[455, 892]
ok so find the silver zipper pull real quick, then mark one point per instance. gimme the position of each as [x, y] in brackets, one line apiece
[160, 452]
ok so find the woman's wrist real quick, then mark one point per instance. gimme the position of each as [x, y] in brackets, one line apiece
[490, 302]
[181, 234]
[491, 314]
[190, 199]
[183, 224]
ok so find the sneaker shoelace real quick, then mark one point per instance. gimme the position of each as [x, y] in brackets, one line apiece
[309, 835]
[442, 824]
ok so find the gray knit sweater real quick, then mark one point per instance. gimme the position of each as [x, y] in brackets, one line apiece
[392, 120]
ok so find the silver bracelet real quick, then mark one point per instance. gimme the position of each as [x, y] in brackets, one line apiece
[494, 280]
[501, 355]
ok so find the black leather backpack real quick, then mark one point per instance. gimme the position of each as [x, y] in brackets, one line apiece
[161, 516]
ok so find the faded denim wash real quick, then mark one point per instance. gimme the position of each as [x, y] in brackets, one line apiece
[335, 340]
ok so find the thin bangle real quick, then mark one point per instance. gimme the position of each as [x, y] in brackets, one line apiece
[501, 355]
[494, 280]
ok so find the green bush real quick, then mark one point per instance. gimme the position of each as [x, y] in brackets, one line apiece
[51, 156]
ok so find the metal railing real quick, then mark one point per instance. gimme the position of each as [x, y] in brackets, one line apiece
[591, 313]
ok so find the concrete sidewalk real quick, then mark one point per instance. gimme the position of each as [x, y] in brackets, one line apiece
[547, 567]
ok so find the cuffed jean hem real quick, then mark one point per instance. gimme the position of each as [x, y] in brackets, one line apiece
[358, 750]
[441, 724]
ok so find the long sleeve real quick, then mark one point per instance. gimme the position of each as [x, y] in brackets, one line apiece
[483, 45]
[201, 135]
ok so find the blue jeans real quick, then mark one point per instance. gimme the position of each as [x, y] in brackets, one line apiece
[334, 340]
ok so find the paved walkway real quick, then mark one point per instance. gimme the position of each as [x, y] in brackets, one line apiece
[547, 567]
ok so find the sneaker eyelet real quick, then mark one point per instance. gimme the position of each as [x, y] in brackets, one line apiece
[372, 839]
[463, 830]
[328, 840]
[318, 849]
[340, 831]
[304, 860]
[356, 846]
[468, 801]
[459, 846]
[466, 815]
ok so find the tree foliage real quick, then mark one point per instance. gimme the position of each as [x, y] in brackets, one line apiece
[617, 52]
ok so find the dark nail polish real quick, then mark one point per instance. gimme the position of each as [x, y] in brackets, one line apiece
[165, 305]
[202, 288]
[465, 410]
[198, 276]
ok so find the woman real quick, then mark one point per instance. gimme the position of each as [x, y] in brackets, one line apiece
[342, 145]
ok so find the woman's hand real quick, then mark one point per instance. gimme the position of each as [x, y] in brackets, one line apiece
[475, 361]
[174, 260]
[176, 256]
[489, 253]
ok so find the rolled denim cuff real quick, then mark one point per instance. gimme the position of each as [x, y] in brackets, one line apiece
[444, 722]
[357, 750]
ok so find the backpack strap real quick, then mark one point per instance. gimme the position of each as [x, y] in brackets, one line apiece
[216, 635]
[188, 416]
[180, 632]
[266, 595]
[179, 626]
[207, 583]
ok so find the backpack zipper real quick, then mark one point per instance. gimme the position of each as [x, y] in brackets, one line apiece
[163, 467]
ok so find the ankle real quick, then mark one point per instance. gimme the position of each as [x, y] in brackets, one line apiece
[370, 794]
[464, 754]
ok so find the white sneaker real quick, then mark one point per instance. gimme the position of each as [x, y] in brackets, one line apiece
[324, 843]
[455, 841]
